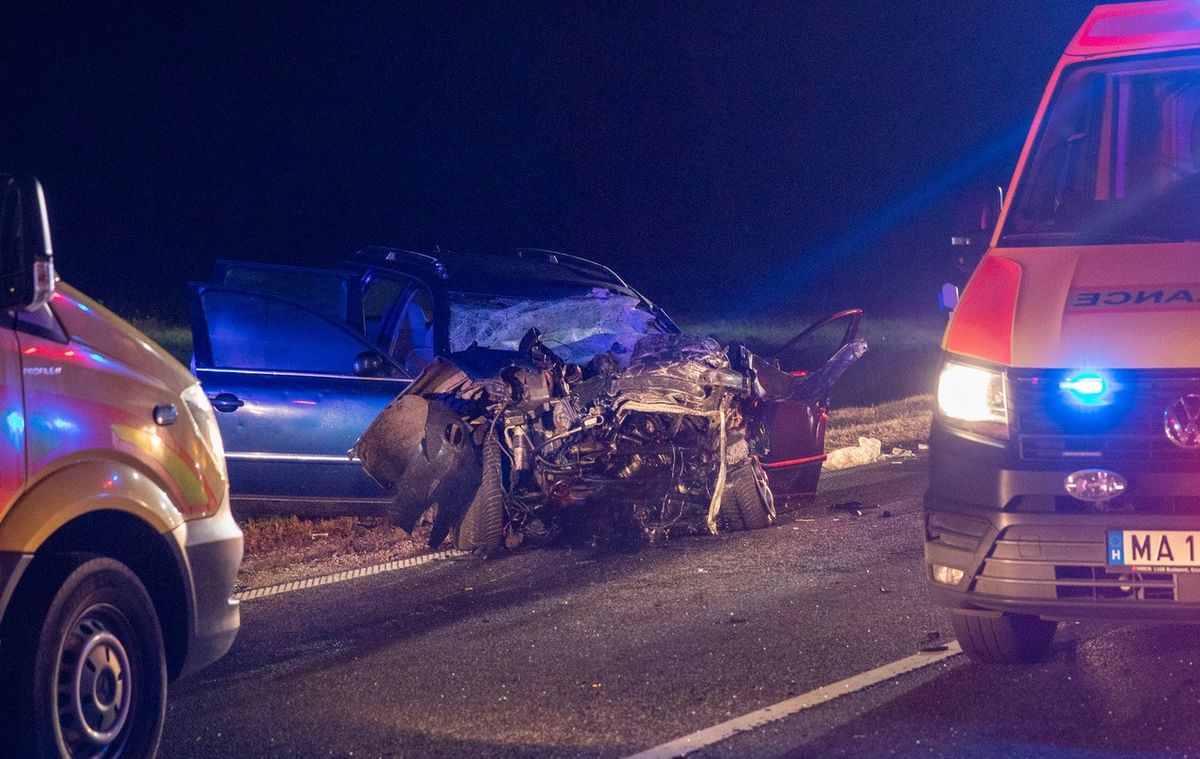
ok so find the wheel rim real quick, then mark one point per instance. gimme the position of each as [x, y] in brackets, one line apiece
[95, 683]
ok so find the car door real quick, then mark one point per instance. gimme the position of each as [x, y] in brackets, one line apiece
[795, 412]
[293, 389]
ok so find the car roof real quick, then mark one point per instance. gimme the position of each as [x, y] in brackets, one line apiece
[497, 272]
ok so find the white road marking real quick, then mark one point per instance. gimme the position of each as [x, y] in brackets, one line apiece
[717, 733]
[350, 574]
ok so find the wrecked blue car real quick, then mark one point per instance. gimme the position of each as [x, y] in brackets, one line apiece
[515, 392]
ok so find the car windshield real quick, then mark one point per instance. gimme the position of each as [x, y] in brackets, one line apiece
[1118, 159]
[575, 327]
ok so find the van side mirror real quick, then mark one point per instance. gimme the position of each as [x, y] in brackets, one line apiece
[26, 256]
[948, 297]
[975, 221]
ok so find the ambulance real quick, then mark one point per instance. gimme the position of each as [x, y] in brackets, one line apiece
[118, 552]
[1065, 450]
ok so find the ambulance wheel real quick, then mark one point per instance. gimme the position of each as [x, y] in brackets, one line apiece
[1007, 639]
[89, 669]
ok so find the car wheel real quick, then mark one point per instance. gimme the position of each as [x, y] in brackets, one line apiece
[481, 530]
[1007, 639]
[747, 502]
[89, 664]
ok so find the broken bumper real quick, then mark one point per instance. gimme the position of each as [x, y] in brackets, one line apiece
[1024, 546]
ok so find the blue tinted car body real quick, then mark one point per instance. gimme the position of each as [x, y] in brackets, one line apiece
[298, 361]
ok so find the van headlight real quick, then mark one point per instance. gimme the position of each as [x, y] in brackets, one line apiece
[205, 422]
[974, 399]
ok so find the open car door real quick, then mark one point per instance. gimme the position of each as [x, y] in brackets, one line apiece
[797, 381]
[293, 389]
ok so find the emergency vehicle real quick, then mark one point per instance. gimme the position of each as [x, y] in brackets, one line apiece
[1065, 451]
[118, 552]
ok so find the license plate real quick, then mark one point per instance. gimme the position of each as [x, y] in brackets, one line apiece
[1155, 550]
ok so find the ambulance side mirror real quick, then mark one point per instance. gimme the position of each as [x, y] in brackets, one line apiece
[948, 297]
[26, 257]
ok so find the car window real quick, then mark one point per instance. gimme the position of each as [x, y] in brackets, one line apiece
[410, 342]
[1118, 159]
[380, 297]
[326, 292]
[258, 332]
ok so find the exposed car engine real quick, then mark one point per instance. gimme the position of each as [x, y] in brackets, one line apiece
[502, 447]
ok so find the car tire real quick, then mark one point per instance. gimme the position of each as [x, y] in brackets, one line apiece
[481, 530]
[88, 664]
[746, 504]
[1007, 639]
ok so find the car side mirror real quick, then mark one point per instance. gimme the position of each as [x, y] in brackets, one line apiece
[26, 257]
[368, 364]
[975, 221]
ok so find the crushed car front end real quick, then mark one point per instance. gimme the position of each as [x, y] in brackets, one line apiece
[609, 420]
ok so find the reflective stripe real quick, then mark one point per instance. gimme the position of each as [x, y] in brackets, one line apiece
[309, 457]
[267, 373]
[793, 462]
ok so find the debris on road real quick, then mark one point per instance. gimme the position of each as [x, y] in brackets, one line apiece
[853, 507]
[868, 451]
[933, 642]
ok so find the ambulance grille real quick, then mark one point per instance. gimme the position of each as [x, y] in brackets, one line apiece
[1048, 426]
[1048, 562]
[1099, 584]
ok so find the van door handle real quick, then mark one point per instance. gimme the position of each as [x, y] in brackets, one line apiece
[227, 402]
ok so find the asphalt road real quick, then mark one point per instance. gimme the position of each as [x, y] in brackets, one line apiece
[607, 652]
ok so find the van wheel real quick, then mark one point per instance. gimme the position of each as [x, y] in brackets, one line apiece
[89, 663]
[747, 503]
[1007, 639]
[481, 530]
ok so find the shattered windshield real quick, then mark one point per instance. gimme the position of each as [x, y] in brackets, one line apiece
[576, 327]
[1118, 159]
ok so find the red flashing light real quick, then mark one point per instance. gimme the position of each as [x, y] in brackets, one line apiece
[1134, 26]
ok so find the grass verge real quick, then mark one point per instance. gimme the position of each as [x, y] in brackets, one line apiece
[897, 424]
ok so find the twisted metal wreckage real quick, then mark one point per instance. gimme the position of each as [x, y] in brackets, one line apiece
[659, 432]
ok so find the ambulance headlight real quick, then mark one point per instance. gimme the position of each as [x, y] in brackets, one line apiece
[974, 399]
[205, 421]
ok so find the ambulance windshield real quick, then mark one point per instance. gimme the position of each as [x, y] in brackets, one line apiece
[1118, 158]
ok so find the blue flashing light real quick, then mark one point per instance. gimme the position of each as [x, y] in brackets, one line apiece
[1087, 389]
[15, 422]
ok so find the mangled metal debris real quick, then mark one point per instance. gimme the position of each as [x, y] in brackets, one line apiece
[499, 446]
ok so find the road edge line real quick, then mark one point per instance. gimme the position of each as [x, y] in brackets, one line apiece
[254, 594]
[826, 693]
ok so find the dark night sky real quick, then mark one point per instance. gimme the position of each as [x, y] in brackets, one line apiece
[785, 155]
